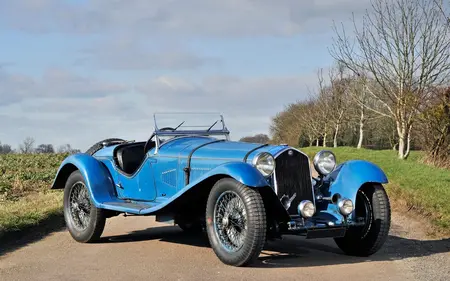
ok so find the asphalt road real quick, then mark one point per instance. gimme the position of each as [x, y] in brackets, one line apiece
[138, 248]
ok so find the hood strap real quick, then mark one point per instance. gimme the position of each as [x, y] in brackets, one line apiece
[187, 169]
[254, 149]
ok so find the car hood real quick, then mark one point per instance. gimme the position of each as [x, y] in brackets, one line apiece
[227, 150]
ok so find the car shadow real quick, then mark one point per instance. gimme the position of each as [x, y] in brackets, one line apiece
[294, 251]
[15, 240]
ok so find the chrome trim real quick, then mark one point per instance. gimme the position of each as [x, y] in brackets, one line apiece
[168, 171]
[309, 167]
[301, 207]
[340, 204]
[200, 169]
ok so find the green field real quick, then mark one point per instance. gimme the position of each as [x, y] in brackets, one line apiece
[25, 198]
[424, 190]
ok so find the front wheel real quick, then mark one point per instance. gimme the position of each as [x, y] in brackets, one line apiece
[235, 222]
[84, 221]
[372, 203]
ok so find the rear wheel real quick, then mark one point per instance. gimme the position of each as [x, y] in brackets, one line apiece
[84, 221]
[99, 145]
[372, 203]
[235, 222]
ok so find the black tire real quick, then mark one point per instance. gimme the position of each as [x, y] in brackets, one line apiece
[367, 240]
[92, 228]
[99, 145]
[253, 239]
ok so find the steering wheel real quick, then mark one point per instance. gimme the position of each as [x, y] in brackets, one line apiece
[167, 129]
[149, 141]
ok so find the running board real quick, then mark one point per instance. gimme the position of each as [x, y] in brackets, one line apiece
[128, 207]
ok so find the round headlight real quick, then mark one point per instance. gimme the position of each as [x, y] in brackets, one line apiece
[324, 162]
[306, 209]
[265, 163]
[345, 206]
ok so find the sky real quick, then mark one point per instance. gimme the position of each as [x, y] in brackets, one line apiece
[79, 71]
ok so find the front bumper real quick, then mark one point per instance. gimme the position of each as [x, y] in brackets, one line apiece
[319, 228]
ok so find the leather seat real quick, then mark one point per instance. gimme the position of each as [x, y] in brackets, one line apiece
[130, 156]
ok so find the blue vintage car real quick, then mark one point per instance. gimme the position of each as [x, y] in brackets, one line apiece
[241, 193]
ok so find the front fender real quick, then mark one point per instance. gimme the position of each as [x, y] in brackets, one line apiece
[349, 176]
[96, 175]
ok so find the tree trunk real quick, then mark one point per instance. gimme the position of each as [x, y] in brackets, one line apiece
[408, 144]
[324, 144]
[401, 147]
[336, 132]
[361, 129]
[402, 138]
[317, 142]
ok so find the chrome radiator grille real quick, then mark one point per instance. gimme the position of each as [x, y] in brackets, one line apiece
[293, 176]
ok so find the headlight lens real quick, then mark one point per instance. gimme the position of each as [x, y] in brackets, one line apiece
[265, 163]
[306, 209]
[324, 162]
[345, 206]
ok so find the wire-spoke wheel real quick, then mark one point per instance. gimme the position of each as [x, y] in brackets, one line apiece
[235, 222]
[230, 221]
[84, 221]
[80, 206]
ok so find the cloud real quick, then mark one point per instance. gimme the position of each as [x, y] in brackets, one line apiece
[14, 87]
[233, 93]
[128, 52]
[174, 17]
[65, 108]
[247, 103]
[53, 83]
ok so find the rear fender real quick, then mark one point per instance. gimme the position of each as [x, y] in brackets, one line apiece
[350, 176]
[96, 175]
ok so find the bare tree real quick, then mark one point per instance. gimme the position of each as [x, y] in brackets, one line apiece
[403, 45]
[322, 107]
[45, 148]
[27, 146]
[360, 88]
[5, 148]
[339, 99]
[67, 148]
[434, 129]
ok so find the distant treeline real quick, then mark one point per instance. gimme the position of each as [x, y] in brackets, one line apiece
[28, 147]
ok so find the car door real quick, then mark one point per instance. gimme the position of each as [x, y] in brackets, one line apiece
[166, 176]
[140, 185]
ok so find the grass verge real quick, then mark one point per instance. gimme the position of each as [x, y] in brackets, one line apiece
[25, 196]
[413, 186]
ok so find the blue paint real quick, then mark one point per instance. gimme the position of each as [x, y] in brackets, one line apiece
[160, 180]
[348, 178]
[97, 177]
